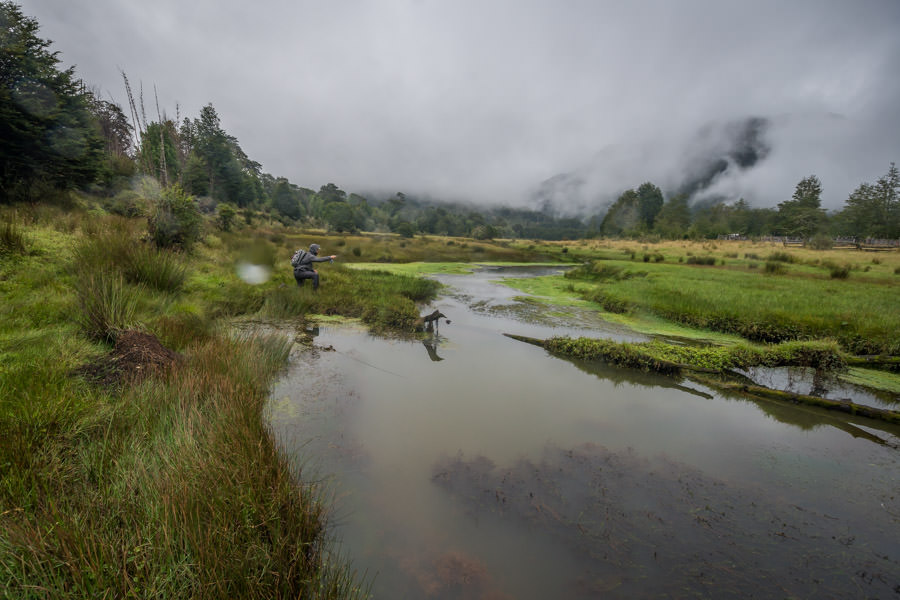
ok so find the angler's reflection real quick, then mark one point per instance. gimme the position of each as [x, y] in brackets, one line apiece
[431, 344]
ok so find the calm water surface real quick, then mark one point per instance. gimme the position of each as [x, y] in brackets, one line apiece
[470, 465]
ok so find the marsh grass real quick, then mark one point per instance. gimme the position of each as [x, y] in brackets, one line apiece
[172, 487]
[665, 358]
[162, 270]
[176, 490]
[108, 304]
[12, 240]
[863, 317]
[117, 249]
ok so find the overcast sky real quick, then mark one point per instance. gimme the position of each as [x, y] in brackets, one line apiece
[486, 99]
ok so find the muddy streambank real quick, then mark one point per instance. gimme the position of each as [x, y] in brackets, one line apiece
[466, 464]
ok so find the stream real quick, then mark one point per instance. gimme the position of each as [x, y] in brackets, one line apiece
[470, 465]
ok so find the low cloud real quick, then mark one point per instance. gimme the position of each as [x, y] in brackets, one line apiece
[484, 101]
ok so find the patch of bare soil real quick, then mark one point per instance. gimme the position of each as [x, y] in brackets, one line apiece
[135, 356]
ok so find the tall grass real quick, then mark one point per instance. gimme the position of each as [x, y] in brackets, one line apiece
[118, 250]
[176, 490]
[12, 240]
[162, 270]
[108, 304]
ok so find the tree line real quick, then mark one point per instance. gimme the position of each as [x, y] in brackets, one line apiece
[872, 210]
[58, 135]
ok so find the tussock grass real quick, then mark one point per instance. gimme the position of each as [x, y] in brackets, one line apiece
[118, 249]
[162, 270]
[108, 304]
[12, 240]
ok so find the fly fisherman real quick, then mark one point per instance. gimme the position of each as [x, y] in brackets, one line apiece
[302, 263]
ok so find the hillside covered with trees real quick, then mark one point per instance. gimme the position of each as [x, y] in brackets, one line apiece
[57, 134]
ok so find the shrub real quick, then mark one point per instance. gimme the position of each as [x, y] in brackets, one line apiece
[405, 229]
[701, 260]
[782, 257]
[357, 251]
[774, 268]
[226, 214]
[821, 242]
[127, 203]
[175, 219]
[840, 272]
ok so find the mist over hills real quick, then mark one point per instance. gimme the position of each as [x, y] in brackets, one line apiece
[716, 152]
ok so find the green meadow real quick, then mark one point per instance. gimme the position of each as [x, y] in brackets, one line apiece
[117, 484]
[165, 482]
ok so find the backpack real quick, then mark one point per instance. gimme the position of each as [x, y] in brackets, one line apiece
[299, 255]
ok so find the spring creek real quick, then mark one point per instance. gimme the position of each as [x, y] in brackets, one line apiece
[470, 465]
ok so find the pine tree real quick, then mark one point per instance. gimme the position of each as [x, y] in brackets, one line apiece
[47, 132]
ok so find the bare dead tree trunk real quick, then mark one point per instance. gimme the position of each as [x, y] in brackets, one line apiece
[162, 143]
[137, 127]
[179, 151]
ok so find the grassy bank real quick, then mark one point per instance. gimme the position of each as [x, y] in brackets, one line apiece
[159, 478]
[769, 294]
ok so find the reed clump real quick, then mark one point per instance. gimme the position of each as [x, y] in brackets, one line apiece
[12, 240]
[670, 358]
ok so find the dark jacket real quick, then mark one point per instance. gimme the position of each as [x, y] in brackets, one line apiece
[306, 261]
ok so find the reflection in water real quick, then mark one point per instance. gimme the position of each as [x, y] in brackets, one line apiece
[805, 380]
[505, 472]
[643, 527]
[803, 417]
[431, 344]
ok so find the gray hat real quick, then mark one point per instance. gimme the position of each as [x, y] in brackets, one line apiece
[314, 249]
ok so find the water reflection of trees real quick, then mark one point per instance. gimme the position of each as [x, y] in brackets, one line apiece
[803, 417]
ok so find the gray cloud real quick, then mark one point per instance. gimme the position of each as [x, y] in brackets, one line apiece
[485, 100]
